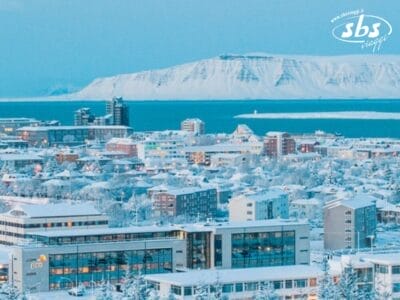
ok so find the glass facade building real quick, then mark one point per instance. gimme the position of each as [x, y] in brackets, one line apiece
[263, 249]
[91, 268]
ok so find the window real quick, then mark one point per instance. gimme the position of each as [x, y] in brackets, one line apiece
[396, 270]
[313, 282]
[227, 288]
[278, 285]
[187, 291]
[177, 290]
[239, 287]
[381, 269]
[250, 286]
[288, 284]
[300, 283]
[396, 287]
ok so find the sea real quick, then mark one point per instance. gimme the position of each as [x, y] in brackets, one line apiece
[219, 115]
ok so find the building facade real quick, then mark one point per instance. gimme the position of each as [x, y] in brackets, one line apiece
[294, 282]
[17, 225]
[196, 126]
[60, 259]
[70, 135]
[261, 206]
[118, 110]
[350, 223]
[277, 144]
[189, 201]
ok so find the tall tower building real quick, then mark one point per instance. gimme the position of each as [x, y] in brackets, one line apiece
[83, 117]
[118, 110]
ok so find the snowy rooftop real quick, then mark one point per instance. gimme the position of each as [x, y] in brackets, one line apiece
[237, 275]
[53, 210]
[357, 201]
[195, 227]
[266, 195]
[388, 258]
[19, 156]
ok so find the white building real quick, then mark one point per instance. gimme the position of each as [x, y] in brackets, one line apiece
[17, 225]
[305, 208]
[262, 206]
[289, 282]
[196, 126]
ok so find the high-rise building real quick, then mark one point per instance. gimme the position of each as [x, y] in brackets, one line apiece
[83, 117]
[278, 143]
[350, 223]
[118, 110]
[193, 125]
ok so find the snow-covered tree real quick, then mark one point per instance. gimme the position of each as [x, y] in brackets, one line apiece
[382, 291]
[266, 291]
[201, 292]
[104, 291]
[348, 283]
[134, 287]
[327, 289]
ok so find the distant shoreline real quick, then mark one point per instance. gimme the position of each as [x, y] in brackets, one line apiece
[338, 115]
[66, 99]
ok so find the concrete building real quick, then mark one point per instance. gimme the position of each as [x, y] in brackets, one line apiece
[168, 148]
[350, 223]
[59, 259]
[9, 126]
[203, 154]
[70, 135]
[196, 126]
[289, 282]
[17, 225]
[266, 205]
[16, 161]
[188, 201]
[278, 143]
[83, 117]
[378, 273]
[124, 145]
[119, 111]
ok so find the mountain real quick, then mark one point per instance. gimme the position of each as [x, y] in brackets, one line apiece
[258, 76]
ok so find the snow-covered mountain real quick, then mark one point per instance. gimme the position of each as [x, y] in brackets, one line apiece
[258, 76]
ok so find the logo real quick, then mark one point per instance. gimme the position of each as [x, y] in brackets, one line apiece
[357, 27]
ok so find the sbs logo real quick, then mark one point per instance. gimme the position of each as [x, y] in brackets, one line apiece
[360, 28]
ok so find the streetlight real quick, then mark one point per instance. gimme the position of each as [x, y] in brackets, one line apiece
[371, 237]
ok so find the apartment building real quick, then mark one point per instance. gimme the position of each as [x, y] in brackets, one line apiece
[350, 223]
[261, 206]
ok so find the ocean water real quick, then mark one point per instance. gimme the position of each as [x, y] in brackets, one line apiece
[219, 115]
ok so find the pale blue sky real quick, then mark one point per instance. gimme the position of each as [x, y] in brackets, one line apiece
[55, 43]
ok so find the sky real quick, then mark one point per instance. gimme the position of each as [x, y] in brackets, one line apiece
[51, 45]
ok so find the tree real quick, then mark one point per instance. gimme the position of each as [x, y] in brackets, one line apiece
[382, 291]
[266, 291]
[327, 289]
[348, 283]
[201, 292]
[134, 287]
[105, 291]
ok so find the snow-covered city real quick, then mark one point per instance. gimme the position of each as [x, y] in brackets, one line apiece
[105, 212]
[199, 150]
